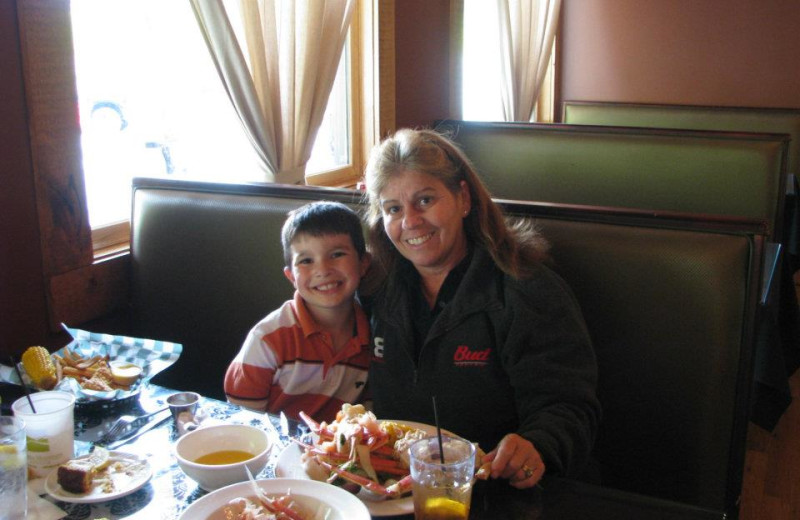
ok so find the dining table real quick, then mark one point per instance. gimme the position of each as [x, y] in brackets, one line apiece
[169, 492]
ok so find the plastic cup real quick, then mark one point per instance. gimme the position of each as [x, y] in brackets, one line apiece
[13, 468]
[50, 432]
[442, 491]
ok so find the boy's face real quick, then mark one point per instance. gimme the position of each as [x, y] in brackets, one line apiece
[326, 270]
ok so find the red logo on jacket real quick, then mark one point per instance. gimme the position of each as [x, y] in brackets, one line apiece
[466, 356]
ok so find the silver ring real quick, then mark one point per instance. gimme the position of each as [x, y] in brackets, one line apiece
[527, 470]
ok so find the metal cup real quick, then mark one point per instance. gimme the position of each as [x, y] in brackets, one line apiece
[183, 407]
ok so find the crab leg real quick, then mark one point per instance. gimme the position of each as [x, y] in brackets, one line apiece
[375, 443]
[275, 506]
[271, 504]
[370, 485]
[316, 427]
[400, 487]
[381, 464]
[484, 471]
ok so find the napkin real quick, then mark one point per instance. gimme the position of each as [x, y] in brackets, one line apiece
[38, 507]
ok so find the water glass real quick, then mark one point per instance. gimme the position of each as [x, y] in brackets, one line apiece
[442, 490]
[13, 468]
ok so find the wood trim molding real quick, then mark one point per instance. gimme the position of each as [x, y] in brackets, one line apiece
[89, 292]
[456, 58]
[76, 288]
[386, 83]
[49, 75]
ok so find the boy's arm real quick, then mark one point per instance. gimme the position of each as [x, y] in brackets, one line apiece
[258, 405]
[249, 376]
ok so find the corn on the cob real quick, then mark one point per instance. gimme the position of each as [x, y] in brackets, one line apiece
[40, 368]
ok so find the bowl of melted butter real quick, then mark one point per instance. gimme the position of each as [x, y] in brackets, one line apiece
[216, 456]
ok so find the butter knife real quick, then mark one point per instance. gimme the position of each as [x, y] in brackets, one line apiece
[156, 421]
[284, 422]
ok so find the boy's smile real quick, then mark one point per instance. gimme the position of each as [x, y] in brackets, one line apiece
[325, 270]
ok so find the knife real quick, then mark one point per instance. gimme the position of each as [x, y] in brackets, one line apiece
[284, 422]
[156, 421]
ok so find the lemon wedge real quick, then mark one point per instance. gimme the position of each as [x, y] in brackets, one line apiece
[10, 457]
[99, 458]
[445, 508]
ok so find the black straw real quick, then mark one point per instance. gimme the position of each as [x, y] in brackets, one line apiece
[22, 382]
[438, 430]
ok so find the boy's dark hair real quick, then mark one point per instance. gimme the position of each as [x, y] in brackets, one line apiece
[322, 218]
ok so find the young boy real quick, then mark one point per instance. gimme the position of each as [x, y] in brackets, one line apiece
[312, 353]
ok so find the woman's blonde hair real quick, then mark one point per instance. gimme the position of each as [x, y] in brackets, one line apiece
[515, 245]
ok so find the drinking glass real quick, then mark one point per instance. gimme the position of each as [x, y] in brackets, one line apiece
[442, 490]
[13, 468]
[50, 430]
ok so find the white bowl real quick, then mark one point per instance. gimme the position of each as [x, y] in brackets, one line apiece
[310, 494]
[209, 439]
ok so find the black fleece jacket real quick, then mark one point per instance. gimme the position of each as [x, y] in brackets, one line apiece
[504, 356]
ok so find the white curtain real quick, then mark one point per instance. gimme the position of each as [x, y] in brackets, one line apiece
[280, 77]
[527, 31]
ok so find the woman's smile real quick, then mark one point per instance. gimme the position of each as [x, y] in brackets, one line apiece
[419, 240]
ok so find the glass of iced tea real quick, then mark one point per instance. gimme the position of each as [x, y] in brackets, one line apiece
[442, 490]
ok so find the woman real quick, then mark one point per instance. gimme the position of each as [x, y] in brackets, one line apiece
[464, 309]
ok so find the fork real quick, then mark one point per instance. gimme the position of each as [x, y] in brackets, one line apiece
[124, 423]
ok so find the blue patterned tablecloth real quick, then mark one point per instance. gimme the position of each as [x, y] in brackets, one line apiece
[170, 491]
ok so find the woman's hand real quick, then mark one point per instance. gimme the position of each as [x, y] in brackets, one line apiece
[516, 459]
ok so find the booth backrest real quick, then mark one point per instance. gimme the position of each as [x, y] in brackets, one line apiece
[663, 307]
[207, 265]
[780, 355]
[690, 171]
[670, 304]
[735, 119]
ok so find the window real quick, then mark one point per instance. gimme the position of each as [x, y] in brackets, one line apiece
[481, 80]
[481, 89]
[81, 281]
[152, 105]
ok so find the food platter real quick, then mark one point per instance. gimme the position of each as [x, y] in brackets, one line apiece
[127, 472]
[290, 465]
[308, 493]
[149, 357]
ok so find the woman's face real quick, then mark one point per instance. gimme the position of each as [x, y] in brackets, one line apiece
[425, 221]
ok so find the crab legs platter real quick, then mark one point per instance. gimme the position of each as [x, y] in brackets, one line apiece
[359, 451]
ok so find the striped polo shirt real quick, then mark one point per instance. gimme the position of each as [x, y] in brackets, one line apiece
[289, 360]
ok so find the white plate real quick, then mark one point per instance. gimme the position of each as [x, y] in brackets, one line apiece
[344, 506]
[124, 483]
[289, 465]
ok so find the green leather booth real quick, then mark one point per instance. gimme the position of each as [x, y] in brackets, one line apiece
[733, 119]
[670, 302]
[718, 173]
[774, 393]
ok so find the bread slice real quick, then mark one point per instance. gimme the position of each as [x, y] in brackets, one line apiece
[76, 476]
